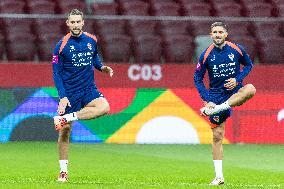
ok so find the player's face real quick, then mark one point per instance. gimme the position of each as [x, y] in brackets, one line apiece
[75, 24]
[218, 35]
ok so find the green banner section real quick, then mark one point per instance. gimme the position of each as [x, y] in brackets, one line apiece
[107, 125]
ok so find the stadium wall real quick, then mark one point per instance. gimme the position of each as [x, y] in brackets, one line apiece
[150, 103]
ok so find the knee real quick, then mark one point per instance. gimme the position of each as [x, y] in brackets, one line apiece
[106, 108]
[251, 90]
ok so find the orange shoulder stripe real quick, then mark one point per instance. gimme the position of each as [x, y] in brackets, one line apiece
[234, 46]
[207, 53]
[64, 42]
[91, 36]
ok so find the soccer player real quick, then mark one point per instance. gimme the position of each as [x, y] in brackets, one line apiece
[223, 61]
[74, 59]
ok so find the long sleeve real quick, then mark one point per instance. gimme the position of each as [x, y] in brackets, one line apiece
[57, 66]
[97, 62]
[248, 64]
[198, 80]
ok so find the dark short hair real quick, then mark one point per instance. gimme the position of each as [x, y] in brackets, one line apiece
[75, 12]
[222, 24]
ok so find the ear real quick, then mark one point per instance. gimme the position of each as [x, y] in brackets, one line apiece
[83, 23]
[67, 23]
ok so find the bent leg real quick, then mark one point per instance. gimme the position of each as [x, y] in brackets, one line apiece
[94, 109]
[244, 94]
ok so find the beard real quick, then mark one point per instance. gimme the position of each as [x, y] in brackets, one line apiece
[76, 32]
[219, 42]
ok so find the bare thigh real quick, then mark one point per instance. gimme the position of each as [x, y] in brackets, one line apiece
[98, 102]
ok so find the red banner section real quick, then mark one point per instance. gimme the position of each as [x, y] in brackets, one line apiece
[261, 120]
[264, 77]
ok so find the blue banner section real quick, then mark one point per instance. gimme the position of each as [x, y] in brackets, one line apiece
[39, 104]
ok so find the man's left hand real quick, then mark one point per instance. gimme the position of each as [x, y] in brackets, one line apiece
[230, 83]
[108, 70]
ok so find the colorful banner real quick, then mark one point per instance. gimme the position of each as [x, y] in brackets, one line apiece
[144, 115]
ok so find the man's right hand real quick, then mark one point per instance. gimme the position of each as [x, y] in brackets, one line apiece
[108, 70]
[63, 103]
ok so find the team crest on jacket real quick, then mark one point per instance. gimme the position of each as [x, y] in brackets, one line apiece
[231, 56]
[89, 45]
[216, 118]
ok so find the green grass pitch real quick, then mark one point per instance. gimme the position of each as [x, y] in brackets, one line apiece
[35, 165]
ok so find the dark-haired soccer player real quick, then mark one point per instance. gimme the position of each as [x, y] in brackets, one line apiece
[74, 59]
[223, 61]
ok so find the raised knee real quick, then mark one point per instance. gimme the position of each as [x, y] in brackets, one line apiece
[251, 89]
[106, 108]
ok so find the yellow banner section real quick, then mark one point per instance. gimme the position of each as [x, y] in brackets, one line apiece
[168, 104]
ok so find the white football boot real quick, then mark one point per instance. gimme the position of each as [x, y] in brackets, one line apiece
[217, 181]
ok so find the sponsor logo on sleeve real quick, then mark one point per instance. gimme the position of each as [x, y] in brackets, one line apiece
[198, 67]
[55, 59]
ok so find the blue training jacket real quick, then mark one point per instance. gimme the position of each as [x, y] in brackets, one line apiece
[74, 59]
[221, 64]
